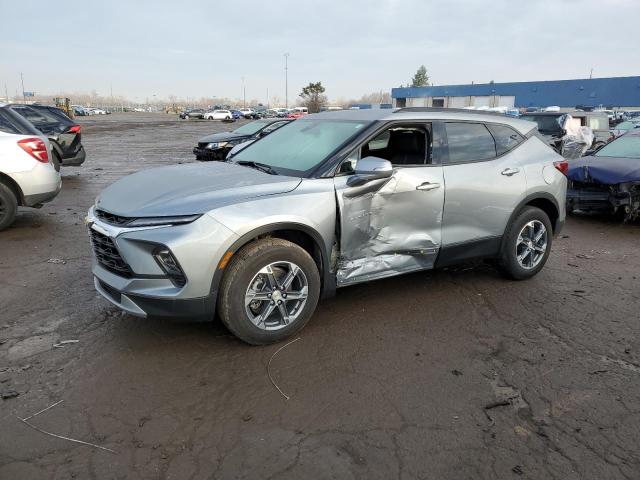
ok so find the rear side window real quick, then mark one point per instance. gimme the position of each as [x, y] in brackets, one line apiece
[469, 142]
[506, 138]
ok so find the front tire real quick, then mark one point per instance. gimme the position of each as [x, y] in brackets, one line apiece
[8, 206]
[269, 291]
[526, 244]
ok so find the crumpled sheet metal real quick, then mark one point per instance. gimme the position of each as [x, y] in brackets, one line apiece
[577, 140]
[605, 170]
[381, 242]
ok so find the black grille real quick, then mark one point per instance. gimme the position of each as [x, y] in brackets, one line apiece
[108, 256]
[111, 218]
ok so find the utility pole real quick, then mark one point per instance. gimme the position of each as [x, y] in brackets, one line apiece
[24, 99]
[591, 74]
[244, 94]
[286, 80]
[267, 97]
[6, 92]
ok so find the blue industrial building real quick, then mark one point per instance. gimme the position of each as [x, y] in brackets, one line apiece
[614, 92]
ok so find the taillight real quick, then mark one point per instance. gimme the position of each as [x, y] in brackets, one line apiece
[35, 147]
[562, 166]
[74, 129]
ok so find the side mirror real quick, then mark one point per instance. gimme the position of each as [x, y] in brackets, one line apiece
[370, 168]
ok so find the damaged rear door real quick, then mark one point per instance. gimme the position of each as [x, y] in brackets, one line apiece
[392, 226]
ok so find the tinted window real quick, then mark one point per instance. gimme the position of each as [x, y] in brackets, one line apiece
[598, 123]
[6, 126]
[546, 123]
[469, 142]
[506, 138]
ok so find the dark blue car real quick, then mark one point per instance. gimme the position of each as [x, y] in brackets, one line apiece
[609, 180]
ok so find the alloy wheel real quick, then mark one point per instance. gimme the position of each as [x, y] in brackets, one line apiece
[531, 244]
[276, 295]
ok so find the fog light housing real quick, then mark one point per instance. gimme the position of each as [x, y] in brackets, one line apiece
[170, 265]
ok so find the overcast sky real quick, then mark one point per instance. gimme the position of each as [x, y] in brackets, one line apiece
[203, 48]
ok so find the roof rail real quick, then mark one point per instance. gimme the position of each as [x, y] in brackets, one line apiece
[446, 110]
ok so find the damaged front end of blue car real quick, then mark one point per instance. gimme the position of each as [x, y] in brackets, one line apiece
[605, 185]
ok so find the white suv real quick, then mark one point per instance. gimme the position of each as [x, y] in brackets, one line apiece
[218, 115]
[27, 176]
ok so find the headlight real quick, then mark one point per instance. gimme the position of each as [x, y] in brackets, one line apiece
[156, 221]
[216, 144]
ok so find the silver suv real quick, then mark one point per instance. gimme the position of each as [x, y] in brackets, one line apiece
[327, 201]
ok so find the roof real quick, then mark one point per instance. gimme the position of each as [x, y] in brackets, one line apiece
[408, 114]
[618, 91]
[574, 113]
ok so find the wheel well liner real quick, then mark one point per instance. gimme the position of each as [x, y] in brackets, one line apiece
[11, 183]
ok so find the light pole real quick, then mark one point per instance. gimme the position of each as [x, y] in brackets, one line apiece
[244, 95]
[24, 98]
[286, 80]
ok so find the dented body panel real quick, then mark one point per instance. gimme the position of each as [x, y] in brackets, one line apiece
[389, 227]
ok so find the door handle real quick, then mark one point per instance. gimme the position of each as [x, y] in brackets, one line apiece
[426, 186]
[510, 171]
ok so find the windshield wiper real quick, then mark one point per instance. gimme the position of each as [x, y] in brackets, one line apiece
[258, 166]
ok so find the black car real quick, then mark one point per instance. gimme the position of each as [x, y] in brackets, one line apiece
[193, 113]
[217, 145]
[64, 133]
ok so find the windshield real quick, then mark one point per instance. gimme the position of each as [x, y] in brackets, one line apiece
[301, 145]
[625, 126]
[546, 123]
[626, 146]
[251, 128]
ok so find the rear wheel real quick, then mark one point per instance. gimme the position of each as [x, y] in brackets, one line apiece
[526, 244]
[55, 160]
[8, 206]
[269, 292]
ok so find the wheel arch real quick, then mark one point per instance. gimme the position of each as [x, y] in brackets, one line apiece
[13, 185]
[545, 202]
[302, 235]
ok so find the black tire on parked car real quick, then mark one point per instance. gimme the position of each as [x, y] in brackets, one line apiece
[526, 244]
[8, 206]
[55, 160]
[265, 283]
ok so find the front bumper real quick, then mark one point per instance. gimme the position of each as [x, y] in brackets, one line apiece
[75, 161]
[210, 154]
[159, 307]
[602, 198]
[146, 289]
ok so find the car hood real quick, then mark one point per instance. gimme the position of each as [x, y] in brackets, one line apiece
[222, 137]
[605, 170]
[189, 189]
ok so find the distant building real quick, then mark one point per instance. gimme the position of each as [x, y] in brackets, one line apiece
[614, 92]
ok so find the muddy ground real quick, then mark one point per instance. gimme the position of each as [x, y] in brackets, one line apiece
[454, 374]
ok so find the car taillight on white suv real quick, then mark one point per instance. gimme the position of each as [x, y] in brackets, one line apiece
[35, 147]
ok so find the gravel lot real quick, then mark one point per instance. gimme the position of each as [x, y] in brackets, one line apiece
[453, 374]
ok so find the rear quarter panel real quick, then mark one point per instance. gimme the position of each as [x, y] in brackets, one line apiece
[543, 177]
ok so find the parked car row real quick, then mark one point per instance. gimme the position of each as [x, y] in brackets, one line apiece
[28, 177]
[84, 111]
[228, 114]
